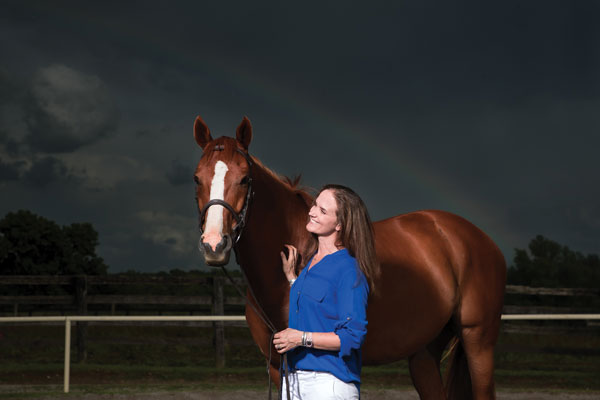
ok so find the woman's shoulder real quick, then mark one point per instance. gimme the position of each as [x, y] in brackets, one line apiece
[343, 259]
[347, 268]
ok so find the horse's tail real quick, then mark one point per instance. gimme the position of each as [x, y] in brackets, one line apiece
[458, 377]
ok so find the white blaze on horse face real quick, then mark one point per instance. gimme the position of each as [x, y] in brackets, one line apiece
[213, 232]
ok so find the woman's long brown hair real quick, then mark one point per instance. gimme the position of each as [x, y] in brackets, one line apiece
[356, 234]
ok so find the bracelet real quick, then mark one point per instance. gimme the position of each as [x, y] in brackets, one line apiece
[307, 340]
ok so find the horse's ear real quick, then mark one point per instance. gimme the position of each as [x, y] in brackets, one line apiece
[244, 133]
[201, 133]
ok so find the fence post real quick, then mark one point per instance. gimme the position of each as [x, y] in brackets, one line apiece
[218, 308]
[81, 289]
[67, 370]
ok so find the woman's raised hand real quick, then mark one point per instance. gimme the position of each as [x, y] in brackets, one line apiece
[289, 262]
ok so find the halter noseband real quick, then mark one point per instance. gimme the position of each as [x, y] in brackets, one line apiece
[240, 217]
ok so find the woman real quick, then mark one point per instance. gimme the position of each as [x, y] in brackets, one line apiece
[328, 300]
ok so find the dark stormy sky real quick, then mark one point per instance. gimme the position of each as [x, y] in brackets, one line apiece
[490, 110]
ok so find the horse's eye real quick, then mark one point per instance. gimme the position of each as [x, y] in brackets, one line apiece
[245, 180]
[197, 180]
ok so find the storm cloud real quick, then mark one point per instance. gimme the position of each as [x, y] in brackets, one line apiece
[487, 110]
[66, 109]
[10, 171]
[48, 170]
[179, 173]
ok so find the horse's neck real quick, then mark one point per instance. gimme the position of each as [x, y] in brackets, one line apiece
[277, 216]
[284, 208]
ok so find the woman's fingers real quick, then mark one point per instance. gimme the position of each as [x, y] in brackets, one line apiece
[288, 262]
[293, 252]
[279, 342]
[291, 257]
[282, 336]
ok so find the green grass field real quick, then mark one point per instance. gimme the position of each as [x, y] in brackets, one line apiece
[183, 356]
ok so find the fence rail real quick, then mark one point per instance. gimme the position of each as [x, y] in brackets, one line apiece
[79, 300]
[514, 289]
[69, 320]
[214, 318]
[106, 280]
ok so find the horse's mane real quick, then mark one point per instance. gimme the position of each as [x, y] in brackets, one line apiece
[293, 184]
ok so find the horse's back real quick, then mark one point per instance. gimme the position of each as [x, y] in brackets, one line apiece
[434, 239]
[477, 264]
[431, 261]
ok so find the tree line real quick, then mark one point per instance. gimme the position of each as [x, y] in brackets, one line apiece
[33, 245]
[550, 264]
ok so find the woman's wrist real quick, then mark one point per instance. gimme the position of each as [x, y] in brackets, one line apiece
[307, 339]
[291, 277]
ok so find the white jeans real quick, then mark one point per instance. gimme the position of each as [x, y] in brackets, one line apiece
[311, 385]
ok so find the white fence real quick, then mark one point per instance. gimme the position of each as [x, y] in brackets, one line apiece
[68, 320]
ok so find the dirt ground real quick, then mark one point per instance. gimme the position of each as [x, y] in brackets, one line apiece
[366, 395]
[372, 394]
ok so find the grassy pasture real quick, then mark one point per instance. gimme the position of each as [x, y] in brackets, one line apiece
[176, 355]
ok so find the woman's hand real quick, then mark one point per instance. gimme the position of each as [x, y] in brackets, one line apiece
[289, 262]
[287, 340]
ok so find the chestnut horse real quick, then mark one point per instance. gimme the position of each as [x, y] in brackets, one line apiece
[441, 282]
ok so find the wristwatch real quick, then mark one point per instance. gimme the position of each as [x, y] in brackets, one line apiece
[309, 341]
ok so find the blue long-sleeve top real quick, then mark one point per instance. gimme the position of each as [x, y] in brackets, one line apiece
[331, 297]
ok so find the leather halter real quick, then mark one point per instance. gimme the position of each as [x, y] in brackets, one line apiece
[240, 217]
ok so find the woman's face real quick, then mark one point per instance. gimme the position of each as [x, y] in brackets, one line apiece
[322, 217]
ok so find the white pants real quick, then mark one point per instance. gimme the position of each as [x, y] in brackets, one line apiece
[311, 385]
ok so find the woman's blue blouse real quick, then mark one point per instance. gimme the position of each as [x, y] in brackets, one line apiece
[331, 297]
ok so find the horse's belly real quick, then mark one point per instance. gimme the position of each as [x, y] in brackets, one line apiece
[412, 306]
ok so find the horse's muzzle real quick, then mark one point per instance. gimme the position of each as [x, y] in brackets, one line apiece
[219, 256]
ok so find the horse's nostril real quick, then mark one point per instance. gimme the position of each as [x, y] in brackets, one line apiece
[220, 255]
[221, 245]
[228, 242]
[224, 244]
[204, 247]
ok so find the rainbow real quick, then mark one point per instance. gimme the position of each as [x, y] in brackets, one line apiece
[402, 164]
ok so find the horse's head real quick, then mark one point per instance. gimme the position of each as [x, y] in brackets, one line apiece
[223, 189]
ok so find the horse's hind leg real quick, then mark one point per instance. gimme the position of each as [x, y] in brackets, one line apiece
[479, 344]
[424, 367]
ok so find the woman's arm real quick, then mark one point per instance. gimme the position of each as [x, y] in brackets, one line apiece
[325, 340]
[289, 339]
[353, 293]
